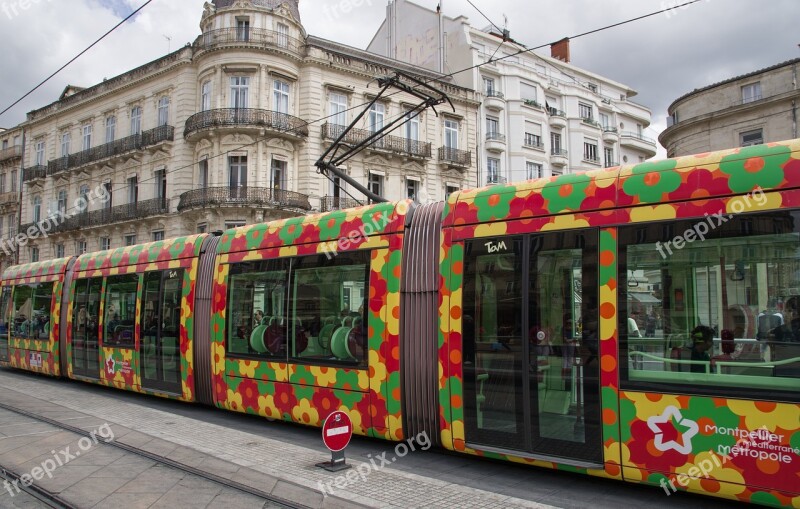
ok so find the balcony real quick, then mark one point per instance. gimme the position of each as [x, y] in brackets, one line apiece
[14, 152]
[610, 134]
[638, 142]
[243, 119]
[388, 143]
[494, 180]
[559, 157]
[591, 122]
[9, 199]
[591, 159]
[532, 104]
[558, 118]
[34, 173]
[330, 203]
[495, 142]
[611, 164]
[255, 38]
[89, 219]
[112, 149]
[455, 158]
[494, 100]
[262, 197]
[533, 141]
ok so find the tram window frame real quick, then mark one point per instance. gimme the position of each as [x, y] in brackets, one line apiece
[127, 321]
[343, 348]
[39, 293]
[240, 315]
[744, 235]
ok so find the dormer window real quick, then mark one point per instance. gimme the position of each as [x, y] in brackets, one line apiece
[283, 35]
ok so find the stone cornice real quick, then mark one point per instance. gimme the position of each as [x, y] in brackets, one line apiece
[181, 57]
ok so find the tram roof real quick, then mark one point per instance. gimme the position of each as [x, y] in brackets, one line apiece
[160, 251]
[46, 269]
[378, 219]
[648, 186]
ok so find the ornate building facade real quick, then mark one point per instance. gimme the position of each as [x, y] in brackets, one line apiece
[225, 132]
[10, 165]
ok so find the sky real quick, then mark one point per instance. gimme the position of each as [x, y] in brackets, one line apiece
[662, 57]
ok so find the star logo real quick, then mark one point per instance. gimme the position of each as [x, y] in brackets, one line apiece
[667, 431]
[110, 365]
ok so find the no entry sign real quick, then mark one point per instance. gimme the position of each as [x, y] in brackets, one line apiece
[337, 431]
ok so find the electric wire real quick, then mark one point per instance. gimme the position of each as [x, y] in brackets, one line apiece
[92, 45]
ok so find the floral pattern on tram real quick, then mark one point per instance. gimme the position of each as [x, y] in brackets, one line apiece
[602, 198]
[30, 354]
[723, 447]
[120, 367]
[307, 394]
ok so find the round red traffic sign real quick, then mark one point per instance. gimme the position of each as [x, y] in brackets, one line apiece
[337, 431]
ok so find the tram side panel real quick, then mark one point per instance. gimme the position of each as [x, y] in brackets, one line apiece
[31, 302]
[131, 322]
[305, 319]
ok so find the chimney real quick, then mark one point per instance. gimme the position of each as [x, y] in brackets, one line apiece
[560, 50]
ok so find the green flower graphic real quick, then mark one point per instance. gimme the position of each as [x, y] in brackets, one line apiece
[755, 167]
[566, 193]
[651, 181]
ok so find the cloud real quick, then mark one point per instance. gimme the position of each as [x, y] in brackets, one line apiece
[662, 57]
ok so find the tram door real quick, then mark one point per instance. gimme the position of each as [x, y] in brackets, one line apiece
[85, 312]
[529, 330]
[159, 348]
[5, 316]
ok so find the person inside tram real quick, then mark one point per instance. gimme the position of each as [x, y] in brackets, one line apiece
[702, 345]
[633, 326]
[259, 317]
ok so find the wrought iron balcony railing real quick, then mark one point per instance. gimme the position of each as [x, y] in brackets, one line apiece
[243, 196]
[397, 144]
[111, 149]
[495, 93]
[245, 117]
[532, 103]
[609, 129]
[9, 198]
[533, 141]
[559, 152]
[258, 38]
[455, 156]
[592, 122]
[329, 203]
[555, 112]
[10, 153]
[495, 179]
[87, 219]
[38, 171]
[496, 137]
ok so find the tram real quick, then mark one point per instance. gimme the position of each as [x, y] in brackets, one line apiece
[640, 323]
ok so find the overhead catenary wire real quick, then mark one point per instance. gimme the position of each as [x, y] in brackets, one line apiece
[439, 78]
[76, 57]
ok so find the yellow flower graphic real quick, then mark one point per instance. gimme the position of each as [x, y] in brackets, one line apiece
[767, 414]
[377, 367]
[248, 368]
[234, 401]
[304, 413]
[324, 377]
[267, 408]
[734, 483]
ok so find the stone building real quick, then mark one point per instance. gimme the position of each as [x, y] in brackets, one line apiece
[540, 115]
[758, 107]
[225, 132]
[10, 165]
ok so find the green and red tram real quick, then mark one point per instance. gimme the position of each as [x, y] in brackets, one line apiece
[639, 323]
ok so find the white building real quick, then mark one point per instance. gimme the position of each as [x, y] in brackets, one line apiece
[540, 115]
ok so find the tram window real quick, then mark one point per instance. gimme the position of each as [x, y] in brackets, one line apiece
[256, 315]
[120, 311]
[328, 308]
[32, 311]
[721, 313]
[5, 316]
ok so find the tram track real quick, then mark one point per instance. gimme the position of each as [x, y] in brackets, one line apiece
[56, 502]
[34, 490]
